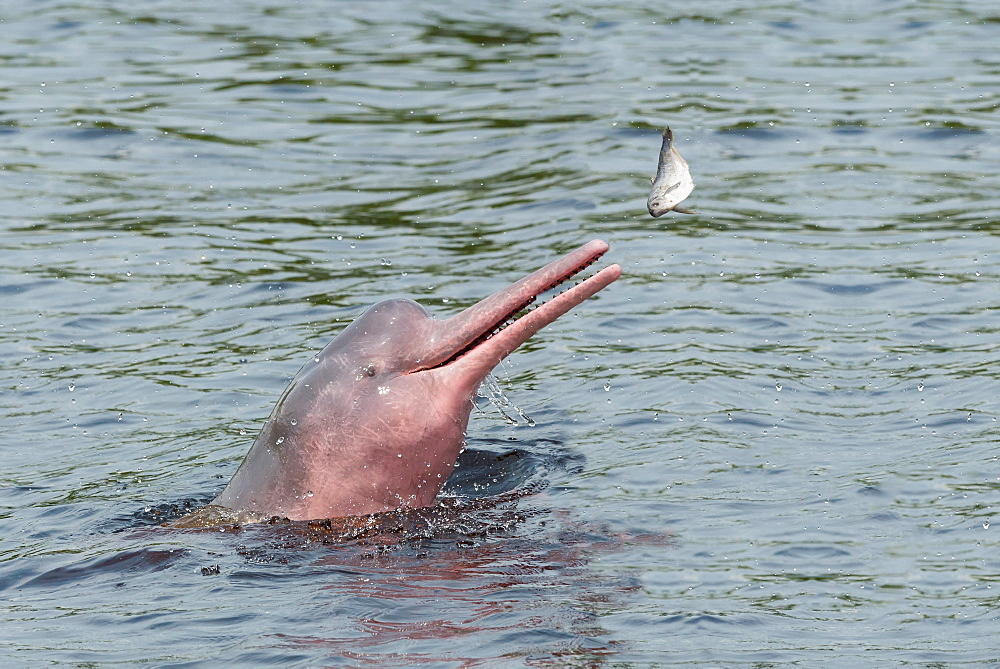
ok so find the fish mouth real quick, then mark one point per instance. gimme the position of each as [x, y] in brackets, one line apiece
[656, 208]
[485, 333]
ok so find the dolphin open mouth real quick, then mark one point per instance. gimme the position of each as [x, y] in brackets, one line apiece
[493, 328]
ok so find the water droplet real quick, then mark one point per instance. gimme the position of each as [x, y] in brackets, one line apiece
[777, 386]
[920, 387]
[986, 524]
[279, 441]
[607, 387]
[72, 387]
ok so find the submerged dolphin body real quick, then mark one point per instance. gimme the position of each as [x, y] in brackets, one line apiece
[376, 421]
[672, 183]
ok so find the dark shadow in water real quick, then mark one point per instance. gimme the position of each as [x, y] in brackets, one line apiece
[481, 561]
[119, 565]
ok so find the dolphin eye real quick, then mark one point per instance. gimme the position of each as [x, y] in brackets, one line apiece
[370, 370]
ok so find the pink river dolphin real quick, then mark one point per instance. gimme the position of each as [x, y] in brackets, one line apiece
[376, 420]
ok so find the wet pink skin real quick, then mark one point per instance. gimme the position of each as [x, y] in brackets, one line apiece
[376, 420]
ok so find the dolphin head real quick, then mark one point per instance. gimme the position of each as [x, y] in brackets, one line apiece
[377, 419]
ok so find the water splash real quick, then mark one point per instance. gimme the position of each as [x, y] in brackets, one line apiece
[490, 390]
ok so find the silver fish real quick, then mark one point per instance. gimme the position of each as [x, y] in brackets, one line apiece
[672, 182]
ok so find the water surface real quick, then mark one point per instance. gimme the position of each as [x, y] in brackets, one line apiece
[772, 441]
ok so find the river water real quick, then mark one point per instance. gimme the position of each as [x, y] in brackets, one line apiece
[773, 441]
